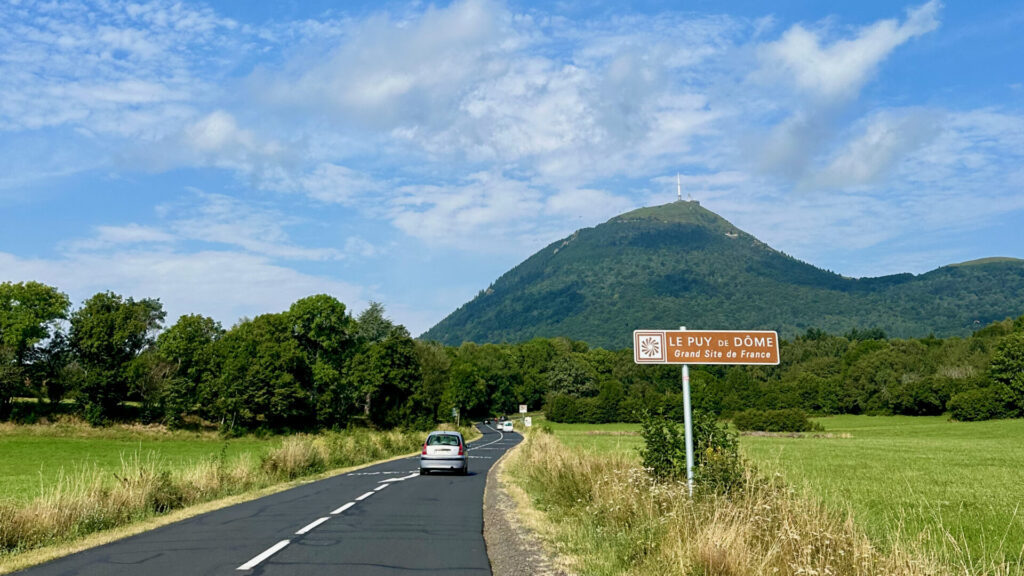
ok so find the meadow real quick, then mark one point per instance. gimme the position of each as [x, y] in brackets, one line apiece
[945, 490]
[955, 489]
[35, 458]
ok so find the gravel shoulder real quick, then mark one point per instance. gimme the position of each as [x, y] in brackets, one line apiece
[513, 548]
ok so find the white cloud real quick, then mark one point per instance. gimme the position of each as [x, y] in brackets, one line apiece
[221, 219]
[112, 68]
[223, 284]
[131, 234]
[587, 204]
[837, 71]
[886, 140]
[487, 212]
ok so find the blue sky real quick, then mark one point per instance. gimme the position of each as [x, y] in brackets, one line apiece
[232, 157]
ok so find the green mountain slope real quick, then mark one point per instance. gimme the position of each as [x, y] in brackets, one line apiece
[680, 264]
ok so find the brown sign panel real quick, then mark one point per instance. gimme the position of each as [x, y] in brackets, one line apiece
[705, 347]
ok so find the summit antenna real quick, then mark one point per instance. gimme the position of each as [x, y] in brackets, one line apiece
[679, 189]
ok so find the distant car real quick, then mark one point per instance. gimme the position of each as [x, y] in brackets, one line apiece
[505, 426]
[444, 450]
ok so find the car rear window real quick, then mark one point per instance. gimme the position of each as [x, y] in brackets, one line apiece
[443, 440]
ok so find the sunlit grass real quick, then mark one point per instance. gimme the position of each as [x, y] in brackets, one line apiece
[952, 491]
[954, 488]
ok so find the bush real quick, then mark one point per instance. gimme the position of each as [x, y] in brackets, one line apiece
[789, 420]
[716, 459]
[981, 404]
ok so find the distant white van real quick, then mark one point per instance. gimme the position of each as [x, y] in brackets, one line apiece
[505, 426]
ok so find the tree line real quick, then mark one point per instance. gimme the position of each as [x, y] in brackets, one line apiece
[317, 366]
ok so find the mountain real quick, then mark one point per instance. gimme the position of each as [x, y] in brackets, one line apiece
[682, 265]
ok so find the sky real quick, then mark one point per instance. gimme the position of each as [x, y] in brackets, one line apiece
[232, 157]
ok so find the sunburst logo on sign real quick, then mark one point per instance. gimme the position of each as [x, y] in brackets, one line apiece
[649, 346]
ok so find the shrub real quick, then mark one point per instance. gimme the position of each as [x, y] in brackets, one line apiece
[980, 404]
[716, 461]
[788, 420]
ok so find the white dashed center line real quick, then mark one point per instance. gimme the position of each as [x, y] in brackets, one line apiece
[365, 496]
[343, 508]
[266, 554]
[381, 487]
[313, 524]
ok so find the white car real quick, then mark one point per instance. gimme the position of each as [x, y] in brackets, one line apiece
[505, 426]
[445, 451]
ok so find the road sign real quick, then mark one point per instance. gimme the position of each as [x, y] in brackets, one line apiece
[705, 347]
[522, 408]
[702, 347]
[527, 421]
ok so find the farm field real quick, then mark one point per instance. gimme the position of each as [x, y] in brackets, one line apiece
[34, 457]
[953, 486]
[952, 489]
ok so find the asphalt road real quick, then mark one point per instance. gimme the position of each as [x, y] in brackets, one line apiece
[385, 519]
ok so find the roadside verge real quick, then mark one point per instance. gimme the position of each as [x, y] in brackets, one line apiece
[513, 545]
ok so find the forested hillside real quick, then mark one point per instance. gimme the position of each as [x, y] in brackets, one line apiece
[680, 264]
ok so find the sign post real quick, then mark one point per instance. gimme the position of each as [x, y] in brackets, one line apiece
[688, 424]
[687, 347]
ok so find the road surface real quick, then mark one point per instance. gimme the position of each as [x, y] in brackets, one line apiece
[385, 519]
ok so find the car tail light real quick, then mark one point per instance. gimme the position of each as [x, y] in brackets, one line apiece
[461, 447]
[424, 452]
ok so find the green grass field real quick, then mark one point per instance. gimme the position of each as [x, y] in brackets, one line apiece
[33, 457]
[924, 478]
[954, 490]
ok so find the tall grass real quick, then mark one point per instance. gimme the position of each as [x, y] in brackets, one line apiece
[89, 500]
[608, 517]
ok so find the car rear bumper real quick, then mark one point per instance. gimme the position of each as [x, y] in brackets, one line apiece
[436, 463]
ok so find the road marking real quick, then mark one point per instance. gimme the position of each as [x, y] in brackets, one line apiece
[343, 508]
[313, 524]
[381, 487]
[266, 554]
[364, 496]
[413, 475]
[378, 472]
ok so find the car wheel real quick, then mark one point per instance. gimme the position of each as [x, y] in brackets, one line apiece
[423, 471]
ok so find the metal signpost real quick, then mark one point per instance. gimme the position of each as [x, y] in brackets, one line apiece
[702, 347]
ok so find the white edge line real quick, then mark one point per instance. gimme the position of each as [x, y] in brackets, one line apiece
[313, 524]
[365, 496]
[343, 508]
[381, 487]
[266, 554]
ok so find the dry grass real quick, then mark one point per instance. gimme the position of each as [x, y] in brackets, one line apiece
[611, 518]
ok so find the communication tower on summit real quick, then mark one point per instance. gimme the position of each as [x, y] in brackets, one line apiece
[679, 189]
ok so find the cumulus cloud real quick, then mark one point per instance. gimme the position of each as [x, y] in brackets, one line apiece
[837, 71]
[805, 146]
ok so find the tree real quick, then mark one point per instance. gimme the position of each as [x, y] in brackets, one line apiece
[107, 333]
[328, 335]
[371, 327]
[188, 347]
[264, 378]
[573, 376]
[29, 315]
[1007, 368]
